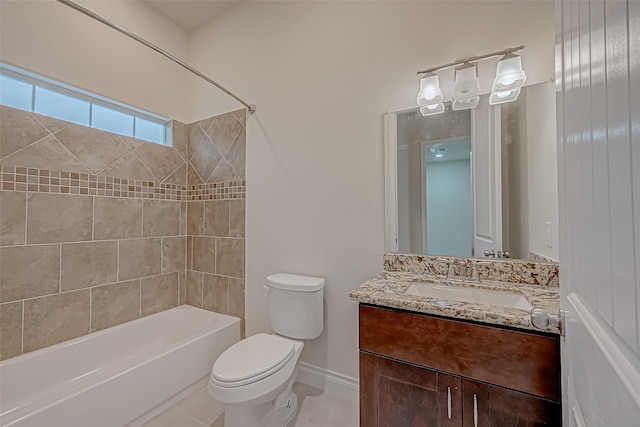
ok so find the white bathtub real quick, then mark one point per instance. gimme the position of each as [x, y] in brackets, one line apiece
[116, 377]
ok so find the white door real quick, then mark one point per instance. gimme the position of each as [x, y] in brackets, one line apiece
[486, 171]
[598, 77]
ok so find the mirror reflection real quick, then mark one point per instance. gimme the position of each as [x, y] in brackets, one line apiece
[475, 183]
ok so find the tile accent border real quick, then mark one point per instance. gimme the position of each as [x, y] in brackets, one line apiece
[512, 271]
[34, 180]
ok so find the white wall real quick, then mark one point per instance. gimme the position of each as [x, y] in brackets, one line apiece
[541, 166]
[53, 40]
[322, 74]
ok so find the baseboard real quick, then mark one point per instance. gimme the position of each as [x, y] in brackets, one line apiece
[331, 382]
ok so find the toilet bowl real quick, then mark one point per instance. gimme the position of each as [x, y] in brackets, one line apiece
[254, 377]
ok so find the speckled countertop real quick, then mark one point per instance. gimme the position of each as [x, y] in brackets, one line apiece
[388, 289]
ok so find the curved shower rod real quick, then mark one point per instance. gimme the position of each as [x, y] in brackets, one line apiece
[75, 6]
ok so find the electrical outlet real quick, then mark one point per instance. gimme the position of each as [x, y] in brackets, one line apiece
[549, 234]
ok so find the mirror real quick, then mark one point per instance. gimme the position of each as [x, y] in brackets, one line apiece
[474, 183]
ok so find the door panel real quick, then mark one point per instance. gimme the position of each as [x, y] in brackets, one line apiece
[599, 170]
[486, 172]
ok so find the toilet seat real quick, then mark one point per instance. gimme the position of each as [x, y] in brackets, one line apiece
[251, 360]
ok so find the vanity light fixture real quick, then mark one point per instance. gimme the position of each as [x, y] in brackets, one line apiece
[430, 93]
[466, 88]
[506, 87]
[433, 109]
[509, 74]
[503, 96]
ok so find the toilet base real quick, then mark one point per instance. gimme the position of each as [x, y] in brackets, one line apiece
[276, 413]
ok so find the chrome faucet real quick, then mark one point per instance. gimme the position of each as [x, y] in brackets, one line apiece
[467, 271]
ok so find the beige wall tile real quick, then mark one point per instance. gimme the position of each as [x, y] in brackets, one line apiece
[236, 298]
[182, 287]
[237, 154]
[130, 141]
[128, 167]
[10, 330]
[195, 134]
[195, 218]
[95, 148]
[173, 253]
[224, 131]
[114, 304]
[160, 218]
[204, 254]
[192, 176]
[236, 218]
[18, 129]
[161, 160]
[189, 256]
[241, 115]
[29, 271]
[57, 218]
[194, 289]
[178, 177]
[13, 213]
[139, 258]
[48, 153]
[215, 293]
[183, 218]
[117, 218]
[206, 158]
[179, 136]
[216, 218]
[159, 293]
[88, 264]
[223, 172]
[52, 319]
[230, 257]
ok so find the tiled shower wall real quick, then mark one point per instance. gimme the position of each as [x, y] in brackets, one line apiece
[216, 228]
[93, 226]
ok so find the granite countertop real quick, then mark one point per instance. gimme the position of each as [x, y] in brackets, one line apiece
[388, 289]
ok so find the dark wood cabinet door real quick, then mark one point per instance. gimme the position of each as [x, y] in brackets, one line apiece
[449, 400]
[475, 404]
[509, 408]
[491, 406]
[407, 395]
[396, 394]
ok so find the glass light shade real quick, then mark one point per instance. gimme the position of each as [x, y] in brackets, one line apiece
[509, 75]
[503, 96]
[430, 92]
[433, 109]
[465, 104]
[466, 82]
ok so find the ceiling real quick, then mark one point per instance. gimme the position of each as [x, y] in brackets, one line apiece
[189, 13]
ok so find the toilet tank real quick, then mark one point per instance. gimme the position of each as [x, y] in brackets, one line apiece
[296, 305]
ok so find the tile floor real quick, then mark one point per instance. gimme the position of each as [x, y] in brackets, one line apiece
[316, 409]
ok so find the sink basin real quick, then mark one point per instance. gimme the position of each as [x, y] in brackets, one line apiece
[473, 295]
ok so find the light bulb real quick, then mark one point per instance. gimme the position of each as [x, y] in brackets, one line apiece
[432, 106]
[430, 92]
[504, 94]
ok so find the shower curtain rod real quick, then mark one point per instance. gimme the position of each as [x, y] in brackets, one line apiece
[251, 107]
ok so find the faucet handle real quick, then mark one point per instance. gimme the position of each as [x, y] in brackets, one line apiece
[450, 266]
[475, 276]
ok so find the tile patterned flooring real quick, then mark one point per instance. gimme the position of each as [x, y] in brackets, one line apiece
[316, 409]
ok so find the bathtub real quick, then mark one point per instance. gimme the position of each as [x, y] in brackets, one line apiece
[120, 376]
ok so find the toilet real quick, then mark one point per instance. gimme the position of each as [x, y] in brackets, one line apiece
[254, 377]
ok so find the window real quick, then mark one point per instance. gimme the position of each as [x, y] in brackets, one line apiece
[27, 91]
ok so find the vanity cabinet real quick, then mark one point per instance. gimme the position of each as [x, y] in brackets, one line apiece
[419, 370]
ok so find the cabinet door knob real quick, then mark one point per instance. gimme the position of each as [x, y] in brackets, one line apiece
[475, 410]
[449, 401]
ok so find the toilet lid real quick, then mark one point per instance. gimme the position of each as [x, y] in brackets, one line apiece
[252, 359]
